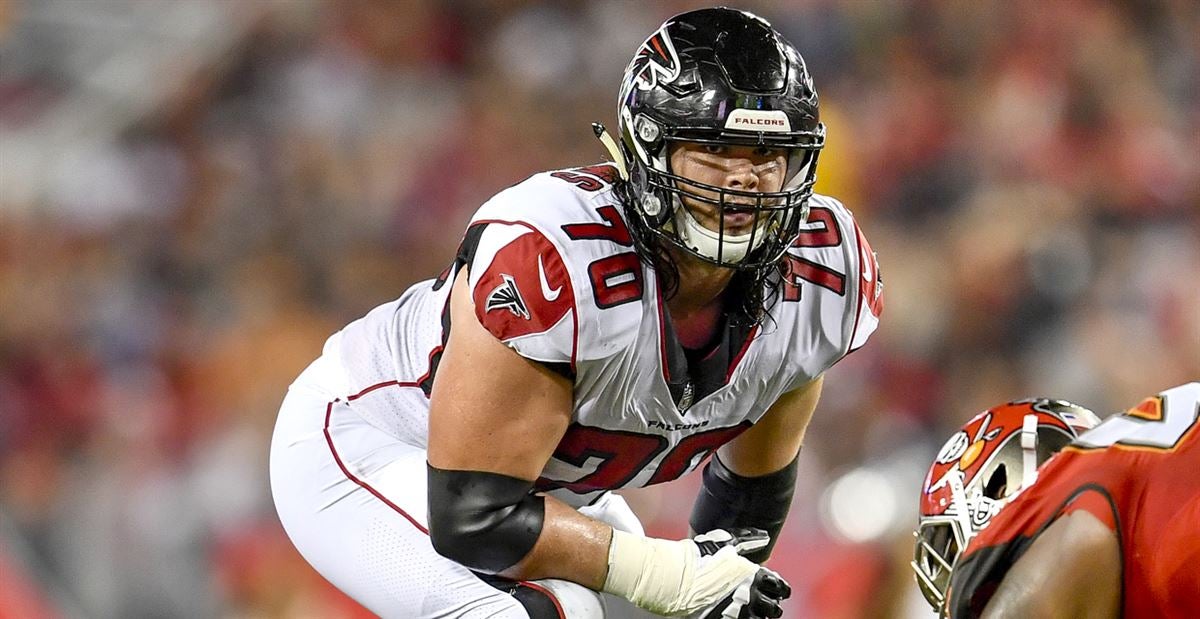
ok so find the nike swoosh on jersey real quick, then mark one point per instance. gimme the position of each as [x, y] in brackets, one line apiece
[550, 294]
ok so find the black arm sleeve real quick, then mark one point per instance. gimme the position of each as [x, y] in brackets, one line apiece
[728, 500]
[485, 521]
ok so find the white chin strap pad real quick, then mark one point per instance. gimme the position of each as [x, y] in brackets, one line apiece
[708, 243]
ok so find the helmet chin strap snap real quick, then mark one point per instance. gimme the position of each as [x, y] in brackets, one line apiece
[652, 205]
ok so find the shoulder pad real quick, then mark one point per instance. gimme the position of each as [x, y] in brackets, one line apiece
[557, 248]
[523, 293]
[832, 277]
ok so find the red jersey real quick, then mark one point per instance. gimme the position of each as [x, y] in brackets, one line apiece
[1139, 473]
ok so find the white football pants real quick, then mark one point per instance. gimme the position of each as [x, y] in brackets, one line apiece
[352, 499]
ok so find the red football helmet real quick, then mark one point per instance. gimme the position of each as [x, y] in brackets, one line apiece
[981, 468]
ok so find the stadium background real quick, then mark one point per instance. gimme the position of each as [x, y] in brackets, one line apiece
[195, 193]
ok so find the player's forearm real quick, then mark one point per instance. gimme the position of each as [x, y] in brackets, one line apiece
[493, 523]
[728, 500]
[662, 576]
[571, 547]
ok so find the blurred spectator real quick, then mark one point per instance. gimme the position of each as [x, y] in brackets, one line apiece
[194, 195]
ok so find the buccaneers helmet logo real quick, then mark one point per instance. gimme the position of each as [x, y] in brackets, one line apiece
[655, 61]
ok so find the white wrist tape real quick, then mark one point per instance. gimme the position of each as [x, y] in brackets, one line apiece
[670, 577]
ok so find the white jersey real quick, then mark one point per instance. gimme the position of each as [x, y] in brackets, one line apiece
[554, 275]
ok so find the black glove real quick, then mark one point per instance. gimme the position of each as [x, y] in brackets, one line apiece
[745, 540]
[758, 597]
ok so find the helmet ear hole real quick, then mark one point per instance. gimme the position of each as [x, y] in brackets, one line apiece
[997, 485]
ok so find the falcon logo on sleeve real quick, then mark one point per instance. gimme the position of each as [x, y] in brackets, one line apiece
[508, 296]
[523, 287]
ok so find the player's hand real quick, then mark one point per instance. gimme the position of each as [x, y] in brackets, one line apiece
[690, 577]
[757, 597]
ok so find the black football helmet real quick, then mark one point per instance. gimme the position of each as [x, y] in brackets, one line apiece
[718, 76]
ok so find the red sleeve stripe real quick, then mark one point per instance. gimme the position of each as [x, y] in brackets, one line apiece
[866, 289]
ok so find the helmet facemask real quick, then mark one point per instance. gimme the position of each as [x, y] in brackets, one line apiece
[775, 216]
[941, 539]
[939, 542]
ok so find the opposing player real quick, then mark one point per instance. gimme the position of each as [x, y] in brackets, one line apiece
[1109, 527]
[452, 453]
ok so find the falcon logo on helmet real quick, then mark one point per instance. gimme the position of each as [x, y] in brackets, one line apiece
[655, 60]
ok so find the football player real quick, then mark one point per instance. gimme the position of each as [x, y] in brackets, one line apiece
[1108, 527]
[453, 452]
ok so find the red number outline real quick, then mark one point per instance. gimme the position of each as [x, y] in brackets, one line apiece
[624, 454]
[603, 271]
[799, 269]
[613, 229]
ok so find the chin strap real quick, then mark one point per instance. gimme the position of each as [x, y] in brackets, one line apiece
[723, 247]
[613, 150]
[1029, 450]
[963, 510]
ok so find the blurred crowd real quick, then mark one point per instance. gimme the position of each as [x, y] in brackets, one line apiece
[1028, 172]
